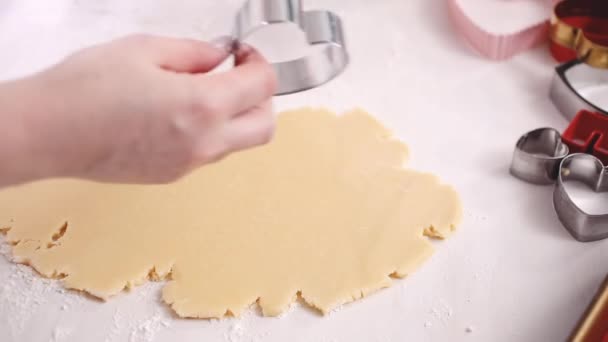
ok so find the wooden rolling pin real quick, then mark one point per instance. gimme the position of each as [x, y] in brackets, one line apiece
[593, 327]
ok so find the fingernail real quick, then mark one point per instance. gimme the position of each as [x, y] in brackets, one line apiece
[224, 43]
[244, 47]
[242, 50]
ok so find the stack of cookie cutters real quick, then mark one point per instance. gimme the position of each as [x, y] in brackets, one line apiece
[578, 37]
[322, 29]
[544, 156]
[577, 32]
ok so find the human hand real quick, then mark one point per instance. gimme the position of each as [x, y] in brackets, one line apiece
[144, 109]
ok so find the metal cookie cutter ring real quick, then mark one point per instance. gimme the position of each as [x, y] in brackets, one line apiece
[321, 28]
[579, 37]
[566, 97]
[543, 156]
[537, 156]
[592, 172]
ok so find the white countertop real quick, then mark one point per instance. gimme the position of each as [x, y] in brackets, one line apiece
[511, 273]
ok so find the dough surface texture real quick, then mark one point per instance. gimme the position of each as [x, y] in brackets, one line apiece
[325, 211]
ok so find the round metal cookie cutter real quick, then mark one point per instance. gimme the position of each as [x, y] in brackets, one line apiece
[321, 27]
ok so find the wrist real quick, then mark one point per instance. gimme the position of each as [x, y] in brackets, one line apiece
[24, 154]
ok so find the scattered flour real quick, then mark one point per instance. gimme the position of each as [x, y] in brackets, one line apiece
[23, 293]
[116, 327]
[5, 249]
[21, 296]
[335, 310]
[441, 313]
[241, 329]
[60, 334]
[147, 290]
[292, 307]
[146, 330]
[235, 333]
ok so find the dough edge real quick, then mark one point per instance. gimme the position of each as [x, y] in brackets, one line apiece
[23, 249]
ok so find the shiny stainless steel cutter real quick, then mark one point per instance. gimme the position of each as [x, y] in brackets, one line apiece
[322, 28]
[542, 157]
[566, 96]
[589, 170]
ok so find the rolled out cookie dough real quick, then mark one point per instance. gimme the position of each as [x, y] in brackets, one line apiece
[325, 211]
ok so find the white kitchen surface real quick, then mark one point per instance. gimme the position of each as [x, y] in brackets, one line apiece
[511, 272]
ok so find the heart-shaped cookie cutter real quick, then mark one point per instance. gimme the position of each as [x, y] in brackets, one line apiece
[322, 28]
[543, 156]
[538, 155]
[591, 171]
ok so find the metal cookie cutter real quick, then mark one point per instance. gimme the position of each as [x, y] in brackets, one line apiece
[543, 156]
[538, 155]
[579, 37]
[591, 171]
[321, 28]
[567, 97]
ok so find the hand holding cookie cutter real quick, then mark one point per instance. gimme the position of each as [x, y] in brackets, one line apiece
[321, 28]
[543, 156]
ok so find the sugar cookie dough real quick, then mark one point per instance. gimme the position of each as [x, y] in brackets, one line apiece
[325, 211]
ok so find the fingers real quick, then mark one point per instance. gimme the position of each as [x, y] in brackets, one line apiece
[252, 128]
[251, 82]
[179, 55]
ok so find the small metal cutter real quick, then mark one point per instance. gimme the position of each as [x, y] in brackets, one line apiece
[542, 156]
[320, 27]
[589, 170]
[537, 156]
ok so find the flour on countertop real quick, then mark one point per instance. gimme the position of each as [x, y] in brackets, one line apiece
[240, 330]
[441, 313]
[235, 333]
[23, 292]
[148, 290]
[5, 249]
[61, 334]
[335, 310]
[292, 307]
[116, 326]
[146, 330]
[21, 295]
